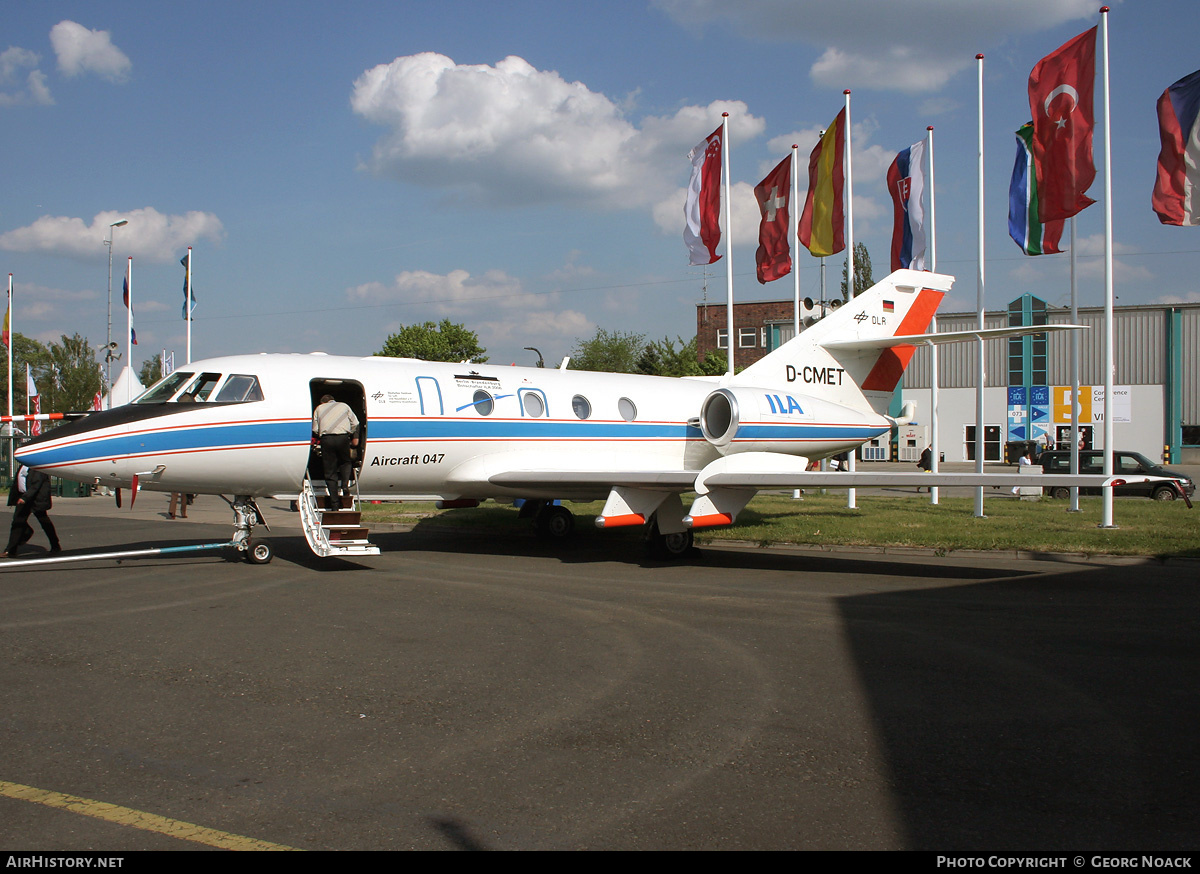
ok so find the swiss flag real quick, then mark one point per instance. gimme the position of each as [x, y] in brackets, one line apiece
[773, 193]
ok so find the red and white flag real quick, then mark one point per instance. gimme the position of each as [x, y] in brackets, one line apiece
[1060, 99]
[96, 402]
[774, 257]
[702, 210]
[35, 399]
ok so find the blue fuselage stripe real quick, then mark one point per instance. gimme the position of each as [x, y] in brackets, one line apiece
[257, 434]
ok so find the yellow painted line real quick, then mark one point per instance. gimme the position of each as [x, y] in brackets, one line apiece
[127, 816]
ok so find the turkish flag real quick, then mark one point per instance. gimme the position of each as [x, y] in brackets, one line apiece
[1060, 99]
[773, 256]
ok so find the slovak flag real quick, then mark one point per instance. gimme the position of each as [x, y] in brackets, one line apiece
[774, 257]
[1177, 188]
[906, 184]
[702, 210]
[1060, 99]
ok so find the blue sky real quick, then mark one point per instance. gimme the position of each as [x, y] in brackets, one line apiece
[345, 169]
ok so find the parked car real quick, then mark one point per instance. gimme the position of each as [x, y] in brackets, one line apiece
[1091, 461]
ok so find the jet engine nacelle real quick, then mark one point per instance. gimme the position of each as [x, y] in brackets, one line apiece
[744, 419]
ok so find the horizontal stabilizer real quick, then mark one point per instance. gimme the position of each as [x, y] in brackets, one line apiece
[948, 337]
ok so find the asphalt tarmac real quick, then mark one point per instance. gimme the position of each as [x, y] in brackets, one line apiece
[459, 692]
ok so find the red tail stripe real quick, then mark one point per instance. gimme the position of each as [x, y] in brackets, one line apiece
[890, 366]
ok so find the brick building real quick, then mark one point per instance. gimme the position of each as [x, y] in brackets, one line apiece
[758, 327]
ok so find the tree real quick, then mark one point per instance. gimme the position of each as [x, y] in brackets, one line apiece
[616, 352]
[862, 271]
[151, 371]
[429, 342]
[661, 358]
[26, 350]
[74, 375]
[609, 352]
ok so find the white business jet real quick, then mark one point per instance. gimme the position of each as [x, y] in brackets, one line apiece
[463, 433]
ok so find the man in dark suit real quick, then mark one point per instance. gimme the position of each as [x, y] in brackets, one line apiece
[30, 493]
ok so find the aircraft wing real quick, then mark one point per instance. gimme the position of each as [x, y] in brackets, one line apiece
[671, 480]
[838, 479]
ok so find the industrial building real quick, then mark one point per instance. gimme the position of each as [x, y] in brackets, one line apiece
[1027, 388]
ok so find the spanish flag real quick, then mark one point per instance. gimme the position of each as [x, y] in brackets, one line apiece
[823, 223]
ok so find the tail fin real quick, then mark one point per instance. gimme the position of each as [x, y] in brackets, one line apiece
[840, 357]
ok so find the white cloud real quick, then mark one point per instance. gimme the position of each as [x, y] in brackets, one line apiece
[931, 40]
[1089, 269]
[498, 307]
[81, 50]
[149, 234]
[510, 133]
[13, 61]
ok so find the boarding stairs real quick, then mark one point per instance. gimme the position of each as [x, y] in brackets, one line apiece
[332, 532]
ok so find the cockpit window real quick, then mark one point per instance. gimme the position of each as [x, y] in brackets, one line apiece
[240, 387]
[162, 391]
[201, 388]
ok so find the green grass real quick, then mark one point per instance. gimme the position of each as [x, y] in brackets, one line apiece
[1145, 527]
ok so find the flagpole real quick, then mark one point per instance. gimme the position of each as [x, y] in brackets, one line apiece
[794, 238]
[129, 330]
[12, 338]
[187, 302]
[1108, 279]
[728, 243]
[851, 494]
[934, 446]
[1074, 508]
[980, 375]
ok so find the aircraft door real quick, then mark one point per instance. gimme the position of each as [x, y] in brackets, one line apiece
[351, 393]
[429, 393]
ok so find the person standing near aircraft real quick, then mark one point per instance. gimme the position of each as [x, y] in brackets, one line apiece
[335, 426]
[30, 493]
[1025, 461]
[926, 463]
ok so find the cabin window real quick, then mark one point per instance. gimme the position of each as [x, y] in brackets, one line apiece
[483, 403]
[628, 409]
[201, 388]
[581, 407]
[240, 387]
[532, 403]
[161, 391]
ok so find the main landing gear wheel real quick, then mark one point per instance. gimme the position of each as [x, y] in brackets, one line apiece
[669, 547]
[259, 553]
[555, 522]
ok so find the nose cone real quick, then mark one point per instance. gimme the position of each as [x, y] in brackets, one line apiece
[81, 449]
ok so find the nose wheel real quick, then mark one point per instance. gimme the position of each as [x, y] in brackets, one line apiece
[245, 516]
[260, 553]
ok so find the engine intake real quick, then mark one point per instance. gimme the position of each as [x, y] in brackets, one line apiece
[720, 417]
